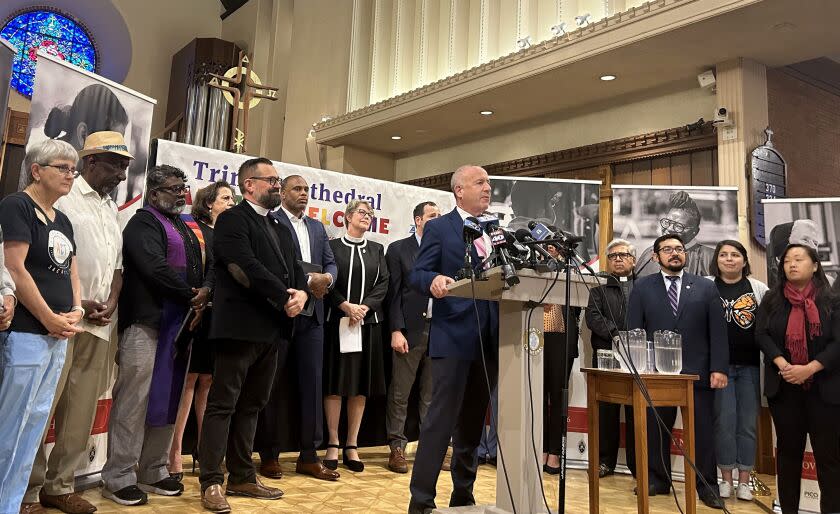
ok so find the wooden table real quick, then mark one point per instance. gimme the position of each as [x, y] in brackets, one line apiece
[666, 391]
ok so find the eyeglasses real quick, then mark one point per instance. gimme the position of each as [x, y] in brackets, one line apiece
[673, 226]
[272, 181]
[668, 250]
[62, 168]
[365, 213]
[618, 256]
[175, 190]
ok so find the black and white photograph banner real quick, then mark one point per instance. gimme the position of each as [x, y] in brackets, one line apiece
[702, 216]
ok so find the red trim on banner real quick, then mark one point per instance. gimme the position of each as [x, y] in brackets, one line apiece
[128, 203]
[100, 421]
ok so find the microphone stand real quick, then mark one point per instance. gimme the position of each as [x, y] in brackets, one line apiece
[569, 264]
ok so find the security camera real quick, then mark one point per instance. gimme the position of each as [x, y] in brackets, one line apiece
[723, 118]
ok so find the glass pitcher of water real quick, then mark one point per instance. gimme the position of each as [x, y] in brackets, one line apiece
[638, 349]
[668, 352]
[620, 350]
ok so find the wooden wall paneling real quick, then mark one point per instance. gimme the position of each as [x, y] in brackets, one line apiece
[660, 171]
[642, 172]
[681, 170]
[623, 173]
[701, 168]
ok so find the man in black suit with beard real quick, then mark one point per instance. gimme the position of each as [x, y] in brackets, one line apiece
[260, 287]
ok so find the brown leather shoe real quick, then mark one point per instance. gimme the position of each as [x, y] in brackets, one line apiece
[32, 508]
[397, 462]
[316, 469]
[254, 490]
[213, 499]
[270, 468]
[71, 503]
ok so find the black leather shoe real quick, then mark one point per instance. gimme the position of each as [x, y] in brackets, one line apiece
[604, 470]
[482, 460]
[712, 501]
[491, 461]
[654, 490]
[416, 508]
[551, 470]
[353, 465]
[331, 463]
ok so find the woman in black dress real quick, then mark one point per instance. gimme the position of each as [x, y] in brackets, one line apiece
[798, 330]
[209, 202]
[355, 298]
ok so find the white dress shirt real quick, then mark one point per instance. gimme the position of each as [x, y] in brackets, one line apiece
[302, 234]
[98, 245]
[262, 211]
[429, 306]
[678, 281]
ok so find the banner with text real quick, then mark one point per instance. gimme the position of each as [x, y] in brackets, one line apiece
[329, 191]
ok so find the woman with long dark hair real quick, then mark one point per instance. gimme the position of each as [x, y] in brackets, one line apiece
[798, 329]
[736, 405]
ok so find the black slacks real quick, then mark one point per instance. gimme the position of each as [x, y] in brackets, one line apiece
[609, 432]
[242, 378]
[556, 373]
[307, 352]
[659, 443]
[459, 404]
[798, 413]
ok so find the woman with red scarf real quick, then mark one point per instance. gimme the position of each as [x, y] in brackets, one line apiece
[798, 330]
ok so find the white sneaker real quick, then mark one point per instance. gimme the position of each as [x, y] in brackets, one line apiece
[744, 492]
[725, 489]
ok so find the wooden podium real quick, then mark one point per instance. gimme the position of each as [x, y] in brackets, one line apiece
[516, 439]
[666, 391]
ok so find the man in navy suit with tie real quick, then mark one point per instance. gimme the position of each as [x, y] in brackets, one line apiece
[690, 305]
[460, 341]
[307, 344]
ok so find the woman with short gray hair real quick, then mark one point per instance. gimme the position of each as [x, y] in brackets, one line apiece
[355, 299]
[39, 252]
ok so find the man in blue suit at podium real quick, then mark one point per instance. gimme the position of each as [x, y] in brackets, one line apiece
[456, 338]
[688, 304]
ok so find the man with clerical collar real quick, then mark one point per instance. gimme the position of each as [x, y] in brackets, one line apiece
[683, 219]
[164, 279]
[85, 375]
[306, 361]
[260, 289]
[606, 315]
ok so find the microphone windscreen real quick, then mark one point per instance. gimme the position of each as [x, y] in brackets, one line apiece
[532, 224]
[523, 234]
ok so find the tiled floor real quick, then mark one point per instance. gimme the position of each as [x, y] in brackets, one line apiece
[377, 490]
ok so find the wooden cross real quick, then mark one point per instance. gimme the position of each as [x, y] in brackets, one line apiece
[233, 82]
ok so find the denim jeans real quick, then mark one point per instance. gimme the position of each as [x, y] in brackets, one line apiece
[736, 414]
[30, 365]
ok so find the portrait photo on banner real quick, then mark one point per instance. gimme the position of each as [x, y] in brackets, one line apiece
[702, 216]
[569, 205]
[811, 221]
[69, 103]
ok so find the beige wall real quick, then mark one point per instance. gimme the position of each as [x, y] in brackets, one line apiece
[661, 109]
[158, 29]
[318, 75]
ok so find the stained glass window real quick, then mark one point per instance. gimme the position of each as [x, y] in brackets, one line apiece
[51, 31]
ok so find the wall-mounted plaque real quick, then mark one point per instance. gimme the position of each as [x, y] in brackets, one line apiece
[768, 179]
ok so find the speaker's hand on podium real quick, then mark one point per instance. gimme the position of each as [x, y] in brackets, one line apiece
[439, 284]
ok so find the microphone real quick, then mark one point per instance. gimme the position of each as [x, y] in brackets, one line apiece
[471, 232]
[567, 237]
[472, 229]
[523, 235]
[499, 241]
[539, 231]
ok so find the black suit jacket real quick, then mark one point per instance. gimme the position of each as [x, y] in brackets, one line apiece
[252, 277]
[770, 335]
[699, 320]
[407, 307]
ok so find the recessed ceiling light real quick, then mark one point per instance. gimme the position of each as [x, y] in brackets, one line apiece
[396, 138]
[607, 78]
[486, 113]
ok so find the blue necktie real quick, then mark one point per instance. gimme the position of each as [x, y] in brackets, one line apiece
[673, 297]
